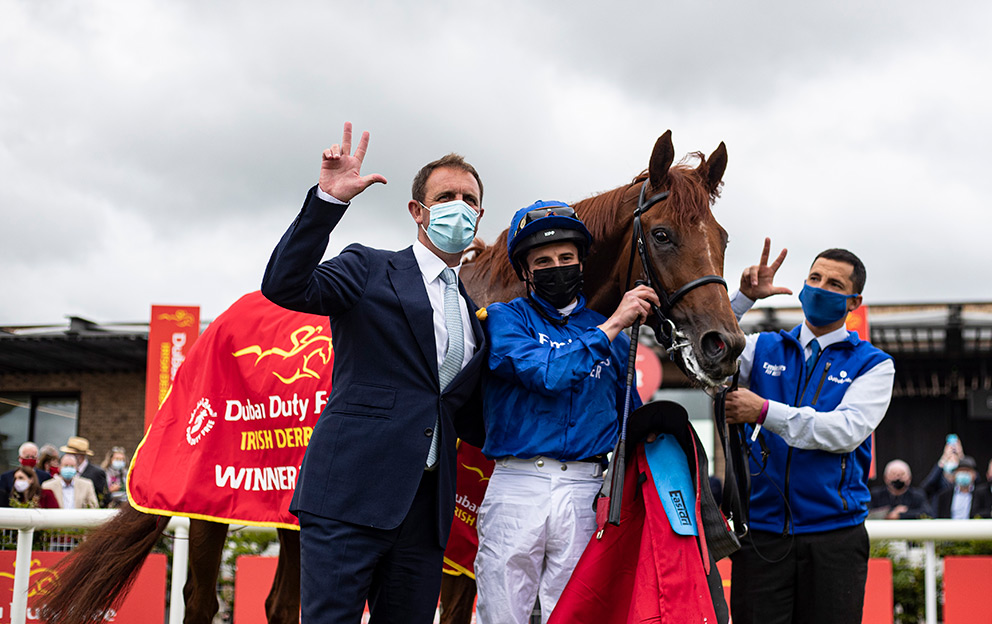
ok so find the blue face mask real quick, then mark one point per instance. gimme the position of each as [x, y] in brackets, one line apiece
[962, 479]
[68, 472]
[117, 464]
[452, 225]
[823, 307]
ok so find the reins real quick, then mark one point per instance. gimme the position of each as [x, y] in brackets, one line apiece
[736, 474]
[665, 334]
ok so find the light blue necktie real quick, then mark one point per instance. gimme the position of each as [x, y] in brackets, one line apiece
[814, 351]
[452, 362]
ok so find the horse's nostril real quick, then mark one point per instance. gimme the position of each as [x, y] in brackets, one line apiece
[714, 346]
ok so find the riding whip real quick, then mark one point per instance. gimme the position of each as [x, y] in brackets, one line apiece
[618, 464]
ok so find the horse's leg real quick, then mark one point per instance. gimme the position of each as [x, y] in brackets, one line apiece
[283, 603]
[457, 599]
[206, 547]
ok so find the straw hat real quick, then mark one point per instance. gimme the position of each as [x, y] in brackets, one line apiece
[78, 446]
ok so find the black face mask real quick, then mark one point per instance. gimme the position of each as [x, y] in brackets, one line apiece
[558, 285]
[897, 484]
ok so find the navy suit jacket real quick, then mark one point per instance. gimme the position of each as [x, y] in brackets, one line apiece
[366, 457]
[981, 502]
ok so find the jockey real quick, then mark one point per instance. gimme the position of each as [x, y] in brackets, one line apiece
[551, 413]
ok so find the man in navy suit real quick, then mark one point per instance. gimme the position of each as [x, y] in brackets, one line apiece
[375, 494]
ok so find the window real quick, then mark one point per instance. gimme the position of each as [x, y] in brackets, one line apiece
[41, 418]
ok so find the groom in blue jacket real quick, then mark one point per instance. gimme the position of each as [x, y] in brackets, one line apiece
[810, 397]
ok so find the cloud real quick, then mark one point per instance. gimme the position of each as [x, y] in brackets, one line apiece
[152, 152]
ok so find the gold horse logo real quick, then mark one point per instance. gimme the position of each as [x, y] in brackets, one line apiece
[182, 318]
[40, 579]
[308, 343]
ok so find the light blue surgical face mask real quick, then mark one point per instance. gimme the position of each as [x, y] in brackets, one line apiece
[68, 472]
[823, 307]
[117, 464]
[452, 225]
[963, 479]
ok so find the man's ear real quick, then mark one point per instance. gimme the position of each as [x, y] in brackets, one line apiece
[854, 303]
[419, 214]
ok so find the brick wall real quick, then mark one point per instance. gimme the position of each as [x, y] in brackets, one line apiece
[111, 405]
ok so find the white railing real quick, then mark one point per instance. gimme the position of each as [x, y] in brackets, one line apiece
[928, 531]
[27, 520]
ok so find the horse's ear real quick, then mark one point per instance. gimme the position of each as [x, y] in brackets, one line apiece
[661, 160]
[712, 170]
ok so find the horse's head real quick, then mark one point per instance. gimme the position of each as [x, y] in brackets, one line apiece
[684, 243]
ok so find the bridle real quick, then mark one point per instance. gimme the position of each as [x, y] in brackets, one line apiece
[737, 479]
[665, 332]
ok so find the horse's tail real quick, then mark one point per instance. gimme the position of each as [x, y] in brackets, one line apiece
[100, 571]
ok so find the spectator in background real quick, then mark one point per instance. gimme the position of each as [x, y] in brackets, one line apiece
[80, 447]
[27, 491]
[898, 499]
[965, 500]
[27, 456]
[115, 465]
[988, 476]
[48, 461]
[941, 477]
[71, 490]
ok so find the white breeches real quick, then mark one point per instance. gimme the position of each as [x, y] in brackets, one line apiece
[535, 521]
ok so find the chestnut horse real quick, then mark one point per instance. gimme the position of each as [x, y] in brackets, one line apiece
[683, 243]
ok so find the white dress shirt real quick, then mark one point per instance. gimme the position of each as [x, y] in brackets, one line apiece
[430, 269]
[961, 503]
[840, 430]
[68, 494]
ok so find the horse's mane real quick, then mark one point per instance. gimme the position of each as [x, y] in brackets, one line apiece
[689, 202]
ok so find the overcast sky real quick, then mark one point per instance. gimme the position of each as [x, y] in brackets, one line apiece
[154, 152]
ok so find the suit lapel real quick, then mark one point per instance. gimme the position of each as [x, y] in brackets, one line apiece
[408, 284]
[58, 492]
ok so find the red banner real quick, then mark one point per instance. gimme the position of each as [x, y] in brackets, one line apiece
[473, 473]
[648, 371]
[966, 579]
[171, 333]
[145, 602]
[857, 321]
[228, 440]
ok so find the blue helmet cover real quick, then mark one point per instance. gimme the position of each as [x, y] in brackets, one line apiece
[516, 235]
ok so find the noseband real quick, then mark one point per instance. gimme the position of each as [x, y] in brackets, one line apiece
[665, 333]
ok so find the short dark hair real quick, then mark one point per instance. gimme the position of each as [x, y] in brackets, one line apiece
[455, 161]
[858, 273]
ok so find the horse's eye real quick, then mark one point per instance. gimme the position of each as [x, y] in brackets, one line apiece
[661, 236]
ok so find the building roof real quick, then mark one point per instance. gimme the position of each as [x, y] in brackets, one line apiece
[83, 346]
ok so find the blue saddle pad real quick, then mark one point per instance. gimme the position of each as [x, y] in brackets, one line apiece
[671, 476]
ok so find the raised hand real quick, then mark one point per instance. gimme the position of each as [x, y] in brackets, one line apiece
[341, 171]
[757, 281]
